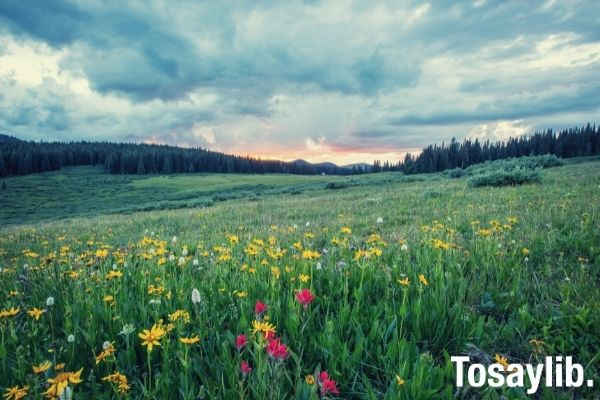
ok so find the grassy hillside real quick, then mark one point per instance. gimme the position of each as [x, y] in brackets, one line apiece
[449, 269]
[88, 191]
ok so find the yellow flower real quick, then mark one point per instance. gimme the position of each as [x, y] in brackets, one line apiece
[118, 379]
[310, 255]
[304, 278]
[110, 350]
[404, 282]
[264, 327]
[180, 315]
[310, 379]
[113, 275]
[36, 313]
[59, 383]
[108, 298]
[346, 230]
[43, 367]
[502, 360]
[151, 338]
[525, 251]
[59, 367]
[16, 393]
[9, 312]
[399, 380]
[423, 280]
[190, 340]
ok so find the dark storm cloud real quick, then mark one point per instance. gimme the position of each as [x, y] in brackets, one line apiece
[379, 74]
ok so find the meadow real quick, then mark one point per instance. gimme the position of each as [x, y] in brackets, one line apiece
[275, 287]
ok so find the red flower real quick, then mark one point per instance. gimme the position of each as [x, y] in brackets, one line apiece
[245, 368]
[327, 385]
[305, 297]
[277, 350]
[240, 341]
[260, 308]
[269, 335]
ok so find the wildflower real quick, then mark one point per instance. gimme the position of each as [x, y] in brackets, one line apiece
[71, 338]
[404, 247]
[240, 341]
[266, 328]
[245, 368]
[108, 298]
[502, 361]
[50, 301]
[113, 274]
[304, 278]
[305, 297]
[260, 308]
[35, 313]
[318, 266]
[346, 230]
[180, 315]
[310, 255]
[379, 220]
[151, 338]
[59, 367]
[41, 368]
[525, 251]
[127, 330]
[9, 312]
[195, 262]
[399, 381]
[60, 382]
[16, 393]
[327, 385]
[309, 379]
[277, 350]
[423, 280]
[404, 282]
[189, 340]
[109, 350]
[118, 379]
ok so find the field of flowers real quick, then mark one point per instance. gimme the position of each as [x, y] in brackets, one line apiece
[358, 293]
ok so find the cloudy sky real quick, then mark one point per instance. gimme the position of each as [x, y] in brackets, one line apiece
[345, 81]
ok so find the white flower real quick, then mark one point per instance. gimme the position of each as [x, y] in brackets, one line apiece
[196, 296]
[185, 251]
[404, 247]
[307, 223]
[295, 226]
[319, 266]
[379, 220]
[114, 266]
[25, 266]
[195, 262]
[105, 345]
[172, 257]
[127, 330]
[152, 233]
[181, 261]
[146, 231]
[154, 301]
[50, 301]
[174, 240]
[71, 338]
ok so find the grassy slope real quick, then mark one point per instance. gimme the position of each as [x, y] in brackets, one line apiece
[87, 191]
[486, 292]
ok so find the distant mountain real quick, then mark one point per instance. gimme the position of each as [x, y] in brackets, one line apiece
[8, 139]
[327, 167]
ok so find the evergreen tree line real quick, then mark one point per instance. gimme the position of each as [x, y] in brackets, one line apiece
[21, 158]
[571, 142]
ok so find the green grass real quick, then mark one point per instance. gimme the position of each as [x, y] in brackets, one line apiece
[504, 266]
[88, 191]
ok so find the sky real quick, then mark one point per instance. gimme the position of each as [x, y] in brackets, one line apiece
[342, 81]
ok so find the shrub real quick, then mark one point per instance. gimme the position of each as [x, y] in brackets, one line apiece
[505, 177]
[456, 173]
[336, 185]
